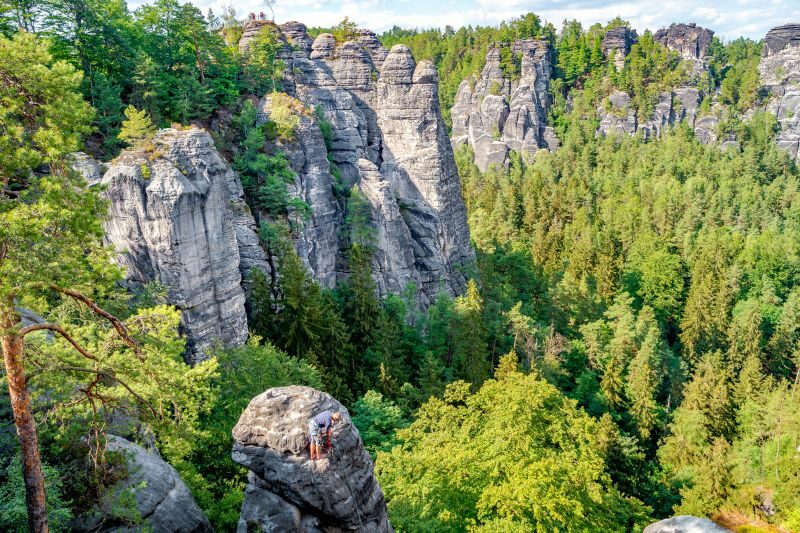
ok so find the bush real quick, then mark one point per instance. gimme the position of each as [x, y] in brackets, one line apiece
[14, 514]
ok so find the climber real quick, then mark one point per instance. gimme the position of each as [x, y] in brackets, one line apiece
[320, 429]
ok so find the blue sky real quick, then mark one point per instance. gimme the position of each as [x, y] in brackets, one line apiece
[729, 19]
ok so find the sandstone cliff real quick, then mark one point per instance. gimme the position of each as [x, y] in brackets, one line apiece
[780, 75]
[682, 104]
[501, 111]
[388, 139]
[288, 492]
[617, 43]
[177, 216]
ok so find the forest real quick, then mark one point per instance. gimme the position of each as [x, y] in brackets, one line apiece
[627, 347]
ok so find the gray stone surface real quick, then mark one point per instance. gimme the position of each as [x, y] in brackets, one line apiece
[163, 501]
[288, 492]
[388, 140]
[495, 114]
[685, 524]
[177, 216]
[690, 40]
[617, 43]
[780, 75]
[89, 169]
[681, 104]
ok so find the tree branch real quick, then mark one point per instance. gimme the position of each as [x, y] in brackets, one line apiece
[122, 331]
[112, 377]
[58, 329]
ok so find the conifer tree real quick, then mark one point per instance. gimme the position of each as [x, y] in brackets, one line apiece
[469, 336]
[136, 128]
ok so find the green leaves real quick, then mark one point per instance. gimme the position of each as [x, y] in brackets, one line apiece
[515, 453]
[42, 113]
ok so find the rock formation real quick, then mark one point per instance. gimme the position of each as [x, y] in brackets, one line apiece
[177, 216]
[288, 492]
[500, 111]
[388, 139]
[681, 104]
[685, 524]
[780, 75]
[617, 43]
[163, 503]
[690, 40]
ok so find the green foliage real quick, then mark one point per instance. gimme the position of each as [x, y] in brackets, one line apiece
[263, 70]
[13, 513]
[377, 419]
[136, 128]
[345, 30]
[44, 116]
[515, 455]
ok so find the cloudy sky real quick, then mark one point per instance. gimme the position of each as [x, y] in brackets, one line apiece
[729, 18]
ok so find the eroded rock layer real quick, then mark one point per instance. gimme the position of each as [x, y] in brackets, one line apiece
[780, 75]
[501, 111]
[388, 139]
[286, 491]
[178, 217]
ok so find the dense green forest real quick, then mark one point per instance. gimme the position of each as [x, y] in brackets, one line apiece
[627, 349]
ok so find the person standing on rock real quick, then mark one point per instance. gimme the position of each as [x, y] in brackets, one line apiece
[319, 428]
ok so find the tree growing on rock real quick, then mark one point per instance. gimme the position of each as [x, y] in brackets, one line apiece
[137, 127]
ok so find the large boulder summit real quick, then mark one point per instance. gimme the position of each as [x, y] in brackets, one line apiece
[286, 491]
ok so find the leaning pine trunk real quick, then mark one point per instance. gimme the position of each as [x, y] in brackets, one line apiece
[26, 425]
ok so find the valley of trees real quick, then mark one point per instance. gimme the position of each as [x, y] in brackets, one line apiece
[627, 349]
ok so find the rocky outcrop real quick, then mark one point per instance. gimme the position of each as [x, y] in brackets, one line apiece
[388, 139]
[780, 75]
[690, 40]
[685, 524]
[288, 492]
[617, 116]
[501, 111]
[617, 43]
[161, 501]
[88, 168]
[177, 216]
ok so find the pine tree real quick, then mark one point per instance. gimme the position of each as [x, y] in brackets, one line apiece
[469, 337]
[136, 128]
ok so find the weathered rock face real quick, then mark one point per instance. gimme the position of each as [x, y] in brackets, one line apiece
[617, 43]
[495, 113]
[685, 524]
[288, 492]
[162, 500]
[682, 104]
[177, 216]
[690, 40]
[388, 139]
[780, 75]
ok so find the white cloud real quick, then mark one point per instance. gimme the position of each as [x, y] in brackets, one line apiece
[735, 18]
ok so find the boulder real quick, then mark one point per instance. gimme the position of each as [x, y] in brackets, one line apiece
[690, 40]
[162, 501]
[685, 524]
[286, 491]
